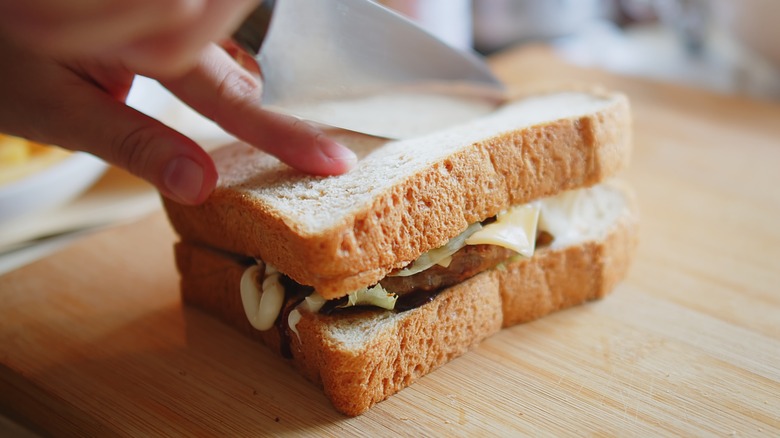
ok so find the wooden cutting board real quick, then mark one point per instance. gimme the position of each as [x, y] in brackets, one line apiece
[94, 340]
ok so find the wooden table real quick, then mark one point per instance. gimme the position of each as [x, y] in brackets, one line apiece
[94, 340]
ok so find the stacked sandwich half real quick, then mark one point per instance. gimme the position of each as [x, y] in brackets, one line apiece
[367, 281]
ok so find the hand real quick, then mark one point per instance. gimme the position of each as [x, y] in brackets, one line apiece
[66, 85]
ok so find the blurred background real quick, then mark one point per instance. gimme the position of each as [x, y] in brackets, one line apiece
[729, 46]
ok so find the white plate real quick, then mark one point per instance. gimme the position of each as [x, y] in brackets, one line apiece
[49, 188]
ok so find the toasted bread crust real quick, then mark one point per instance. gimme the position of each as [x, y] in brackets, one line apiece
[400, 348]
[421, 212]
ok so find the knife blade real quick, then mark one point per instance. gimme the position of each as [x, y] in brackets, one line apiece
[357, 65]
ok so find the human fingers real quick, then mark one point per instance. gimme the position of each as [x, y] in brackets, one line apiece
[160, 38]
[81, 109]
[90, 28]
[175, 49]
[172, 162]
[224, 92]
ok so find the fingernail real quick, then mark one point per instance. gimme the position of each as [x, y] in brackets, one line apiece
[184, 179]
[337, 152]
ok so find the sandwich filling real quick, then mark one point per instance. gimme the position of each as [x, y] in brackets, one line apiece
[566, 219]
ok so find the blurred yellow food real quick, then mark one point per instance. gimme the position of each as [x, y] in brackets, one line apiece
[20, 157]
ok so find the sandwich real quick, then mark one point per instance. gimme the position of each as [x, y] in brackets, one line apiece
[366, 282]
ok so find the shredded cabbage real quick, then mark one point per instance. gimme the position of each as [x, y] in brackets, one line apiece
[372, 296]
[439, 255]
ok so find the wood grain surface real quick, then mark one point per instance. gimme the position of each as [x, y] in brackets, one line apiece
[94, 340]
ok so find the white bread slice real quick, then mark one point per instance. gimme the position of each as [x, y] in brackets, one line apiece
[362, 358]
[341, 233]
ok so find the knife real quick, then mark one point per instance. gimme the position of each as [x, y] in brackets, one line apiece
[329, 61]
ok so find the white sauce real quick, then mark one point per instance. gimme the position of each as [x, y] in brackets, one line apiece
[261, 305]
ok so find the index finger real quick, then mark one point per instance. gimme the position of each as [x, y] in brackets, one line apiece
[221, 90]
